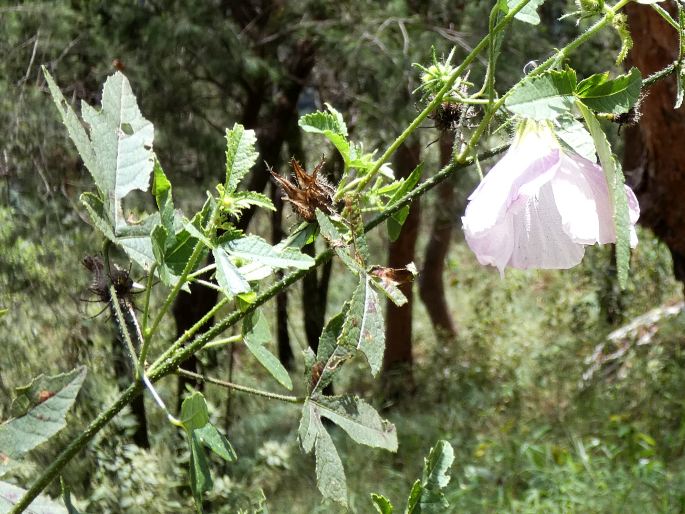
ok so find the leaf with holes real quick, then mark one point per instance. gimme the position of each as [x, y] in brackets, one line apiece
[364, 327]
[39, 413]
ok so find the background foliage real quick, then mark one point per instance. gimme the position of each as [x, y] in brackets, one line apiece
[530, 433]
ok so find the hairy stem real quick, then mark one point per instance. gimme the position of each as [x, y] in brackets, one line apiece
[242, 388]
[437, 100]
[555, 58]
[169, 361]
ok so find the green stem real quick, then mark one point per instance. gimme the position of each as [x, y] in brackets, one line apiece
[437, 100]
[170, 360]
[184, 275]
[666, 16]
[123, 329]
[148, 293]
[556, 57]
[242, 388]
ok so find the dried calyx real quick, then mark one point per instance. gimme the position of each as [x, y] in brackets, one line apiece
[308, 192]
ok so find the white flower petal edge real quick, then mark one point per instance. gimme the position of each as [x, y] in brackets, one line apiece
[540, 205]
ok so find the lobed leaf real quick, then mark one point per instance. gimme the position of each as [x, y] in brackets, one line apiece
[615, 96]
[332, 126]
[364, 327]
[356, 417]
[40, 410]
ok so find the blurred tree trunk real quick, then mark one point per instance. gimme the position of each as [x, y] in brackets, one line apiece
[431, 283]
[398, 359]
[655, 148]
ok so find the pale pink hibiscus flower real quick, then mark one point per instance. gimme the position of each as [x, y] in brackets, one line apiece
[540, 205]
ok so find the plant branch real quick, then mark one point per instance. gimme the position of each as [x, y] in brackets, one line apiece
[555, 58]
[238, 387]
[440, 94]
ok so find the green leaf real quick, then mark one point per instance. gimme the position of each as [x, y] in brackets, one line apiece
[615, 96]
[118, 154]
[11, 494]
[137, 245]
[229, 278]
[77, 133]
[254, 248]
[3, 312]
[437, 464]
[364, 328]
[382, 504]
[356, 417]
[330, 474]
[574, 134]
[125, 160]
[210, 437]
[615, 182]
[332, 126]
[395, 223]
[329, 355]
[240, 155]
[545, 96]
[529, 12]
[200, 477]
[256, 334]
[161, 190]
[331, 231]
[426, 496]
[194, 413]
[397, 219]
[40, 409]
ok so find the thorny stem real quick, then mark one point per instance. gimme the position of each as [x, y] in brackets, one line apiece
[238, 387]
[439, 95]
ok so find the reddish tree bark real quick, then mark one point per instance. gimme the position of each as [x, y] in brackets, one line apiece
[655, 149]
[431, 283]
[398, 357]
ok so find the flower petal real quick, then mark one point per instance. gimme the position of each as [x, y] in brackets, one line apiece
[540, 241]
[518, 175]
[495, 246]
[582, 198]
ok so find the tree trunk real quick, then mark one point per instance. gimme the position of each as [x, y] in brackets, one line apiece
[398, 359]
[655, 149]
[431, 284]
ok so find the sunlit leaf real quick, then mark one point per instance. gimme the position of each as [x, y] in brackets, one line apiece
[240, 155]
[356, 417]
[615, 96]
[545, 96]
[332, 126]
